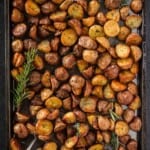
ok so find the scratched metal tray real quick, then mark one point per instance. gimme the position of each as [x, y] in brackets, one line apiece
[6, 104]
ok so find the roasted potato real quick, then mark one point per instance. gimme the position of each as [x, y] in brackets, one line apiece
[125, 63]
[136, 52]
[108, 92]
[126, 76]
[124, 32]
[65, 4]
[61, 74]
[103, 41]
[128, 115]
[14, 144]
[133, 39]
[132, 145]
[89, 21]
[92, 120]
[50, 145]
[103, 123]
[99, 80]
[132, 88]
[112, 4]
[136, 5]
[96, 146]
[136, 103]
[136, 124]
[44, 46]
[71, 142]
[101, 18]
[118, 86]
[113, 15]
[17, 16]
[48, 7]
[69, 117]
[124, 12]
[46, 79]
[98, 91]
[93, 7]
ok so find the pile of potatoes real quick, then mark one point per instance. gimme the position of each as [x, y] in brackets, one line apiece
[80, 75]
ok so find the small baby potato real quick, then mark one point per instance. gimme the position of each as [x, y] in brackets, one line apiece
[104, 61]
[38, 62]
[18, 60]
[125, 63]
[48, 7]
[53, 102]
[71, 142]
[121, 128]
[60, 25]
[136, 5]
[82, 65]
[87, 42]
[132, 145]
[92, 120]
[58, 16]
[132, 88]
[44, 127]
[17, 16]
[106, 136]
[44, 46]
[90, 56]
[33, 32]
[128, 115]
[53, 114]
[108, 92]
[14, 144]
[135, 68]
[69, 118]
[103, 41]
[76, 25]
[45, 79]
[124, 98]
[17, 45]
[112, 52]
[46, 93]
[133, 21]
[124, 32]
[118, 86]
[93, 7]
[65, 4]
[101, 18]
[98, 91]
[96, 147]
[124, 12]
[59, 125]
[19, 4]
[133, 39]
[103, 123]
[136, 52]
[136, 103]
[88, 104]
[96, 31]
[42, 114]
[113, 15]
[99, 80]
[118, 109]
[20, 130]
[61, 74]
[34, 78]
[111, 28]
[126, 76]
[32, 8]
[89, 21]
[68, 37]
[75, 10]
[136, 124]
[122, 50]
[112, 4]
[50, 145]
[82, 129]
[52, 58]
[88, 88]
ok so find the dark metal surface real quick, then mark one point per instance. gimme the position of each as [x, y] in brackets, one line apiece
[5, 104]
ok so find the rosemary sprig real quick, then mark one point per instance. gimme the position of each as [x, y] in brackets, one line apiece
[21, 91]
[114, 141]
[114, 116]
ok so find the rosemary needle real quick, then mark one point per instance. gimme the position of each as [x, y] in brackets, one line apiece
[21, 92]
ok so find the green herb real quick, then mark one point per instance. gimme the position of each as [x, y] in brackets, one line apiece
[113, 115]
[21, 91]
[124, 3]
[114, 141]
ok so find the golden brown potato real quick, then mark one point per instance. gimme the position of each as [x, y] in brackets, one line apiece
[69, 117]
[112, 4]
[133, 21]
[71, 142]
[63, 147]
[60, 25]
[88, 88]
[96, 31]
[17, 16]
[136, 52]
[124, 12]
[90, 56]
[106, 136]
[80, 115]
[21, 117]
[93, 7]
[38, 62]
[53, 102]
[89, 21]
[104, 61]
[18, 4]
[101, 18]
[118, 109]
[136, 124]
[58, 16]
[122, 50]
[103, 41]
[18, 60]
[48, 7]
[133, 39]
[17, 45]
[45, 79]
[42, 114]
[44, 127]
[111, 28]
[136, 103]
[44, 46]
[125, 63]
[14, 144]
[124, 32]
[32, 8]
[82, 129]
[65, 4]
[92, 120]
[128, 115]
[76, 25]
[118, 86]
[99, 80]
[136, 5]
[96, 147]
[132, 88]
[108, 92]
[98, 91]
[75, 10]
[50, 145]
[135, 68]
[103, 123]
[113, 15]
[33, 32]
[112, 125]
[88, 104]
[121, 128]
[126, 76]
[99, 136]
[68, 37]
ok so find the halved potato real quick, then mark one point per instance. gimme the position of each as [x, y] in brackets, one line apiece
[124, 12]
[136, 5]
[89, 21]
[133, 39]
[124, 32]
[93, 7]
[99, 80]
[118, 86]
[126, 76]
[65, 4]
[113, 15]
[136, 52]
[108, 92]
[103, 41]
[111, 28]
[58, 16]
[125, 63]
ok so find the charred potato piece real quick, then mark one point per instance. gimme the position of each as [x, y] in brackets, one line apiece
[75, 10]
[112, 4]
[111, 28]
[93, 7]
[136, 5]
[124, 12]
[68, 37]
[89, 21]
[133, 21]
[124, 32]
[121, 128]
[133, 39]
[113, 15]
